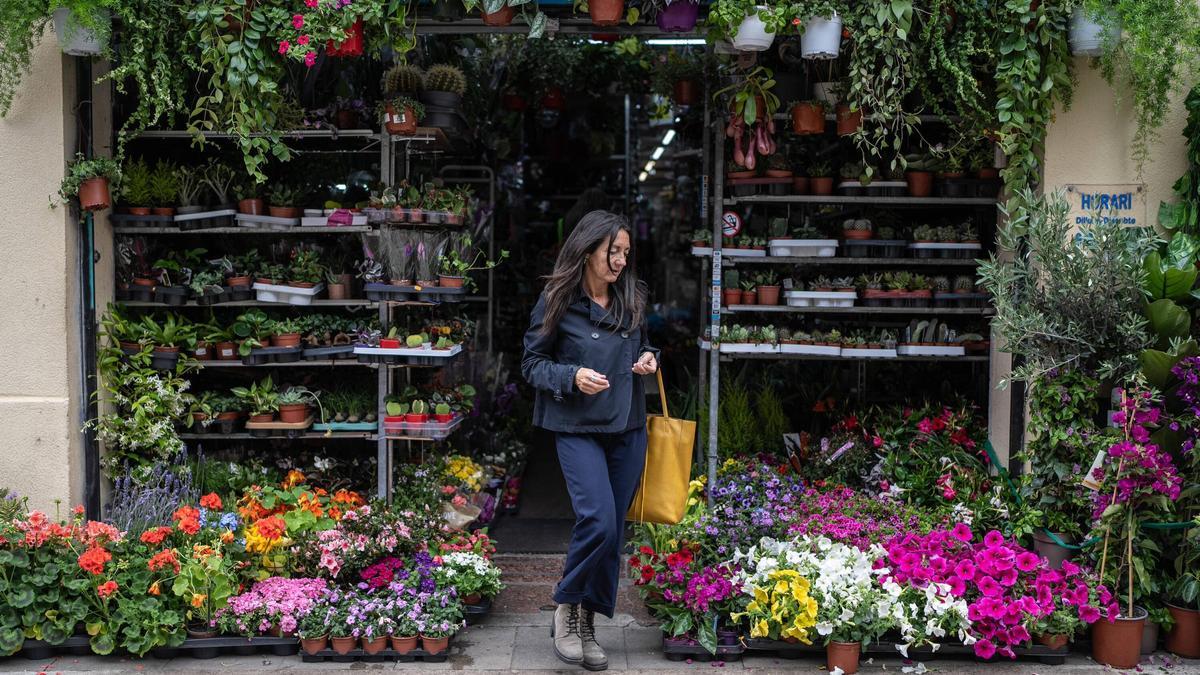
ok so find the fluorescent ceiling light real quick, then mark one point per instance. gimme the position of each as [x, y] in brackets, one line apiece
[642, 177]
[649, 166]
[673, 42]
[658, 152]
[669, 137]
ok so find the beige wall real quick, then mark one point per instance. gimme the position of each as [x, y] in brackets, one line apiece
[39, 422]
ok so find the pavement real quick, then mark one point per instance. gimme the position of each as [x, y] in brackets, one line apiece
[515, 638]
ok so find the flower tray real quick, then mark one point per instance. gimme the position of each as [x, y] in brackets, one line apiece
[702, 251]
[961, 299]
[385, 655]
[812, 350]
[130, 220]
[266, 222]
[335, 352]
[206, 219]
[785, 650]
[288, 295]
[405, 356]
[875, 248]
[262, 355]
[346, 426]
[855, 353]
[820, 298]
[677, 650]
[205, 648]
[292, 428]
[748, 348]
[927, 350]
[432, 430]
[430, 294]
[946, 251]
[135, 294]
[804, 248]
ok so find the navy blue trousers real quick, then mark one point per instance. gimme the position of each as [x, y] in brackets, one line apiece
[602, 472]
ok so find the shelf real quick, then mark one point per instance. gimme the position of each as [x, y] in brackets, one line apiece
[951, 119]
[255, 303]
[211, 363]
[295, 133]
[432, 135]
[902, 311]
[294, 231]
[813, 357]
[836, 199]
[330, 435]
[732, 260]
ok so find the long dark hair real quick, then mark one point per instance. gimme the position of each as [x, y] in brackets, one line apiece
[628, 295]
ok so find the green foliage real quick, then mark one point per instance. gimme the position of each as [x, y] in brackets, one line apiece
[286, 195]
[136, 183]
[746, 91]
[164, 183]
[83, 169]
[260, 398]
[1183, 217]
[21, 27]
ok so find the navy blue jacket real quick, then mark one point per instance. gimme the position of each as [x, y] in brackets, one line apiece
[586, 337]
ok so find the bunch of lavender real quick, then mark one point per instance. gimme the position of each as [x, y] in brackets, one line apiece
[138, 505]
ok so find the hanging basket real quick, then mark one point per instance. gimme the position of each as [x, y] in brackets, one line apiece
[1086, 35]
[752, 35]
[822, 38]
[679, 16]
[352, 46]
[73, 38]
[606, 12]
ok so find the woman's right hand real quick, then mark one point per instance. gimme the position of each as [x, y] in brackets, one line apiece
[590, 382]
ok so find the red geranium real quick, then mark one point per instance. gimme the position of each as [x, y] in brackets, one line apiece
[93, 560]
[211, 501]
[106, 589]
[163, 559]
[156, 536]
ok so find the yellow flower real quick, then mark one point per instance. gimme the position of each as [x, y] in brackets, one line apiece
[760, 595]
[781, 586]
[760, 629]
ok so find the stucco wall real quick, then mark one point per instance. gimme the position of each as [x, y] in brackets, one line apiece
[39, 440]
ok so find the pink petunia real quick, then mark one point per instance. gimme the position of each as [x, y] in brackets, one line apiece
[965, 569]
[1027, 561]
[283, 46]
[302, 40]
[985, 649]
[1088, 614]
[311, 3]
[310, 58]
[989, 587]
[298, 21]
[993, 539]
[962, 532]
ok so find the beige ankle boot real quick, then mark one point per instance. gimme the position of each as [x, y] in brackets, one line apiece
[593, 656]
[565, 632]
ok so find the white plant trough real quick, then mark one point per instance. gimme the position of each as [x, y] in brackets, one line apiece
[74, 39]
[924, 350]
[744, 252]
[266, 222]
[804, 248]
[752, 35]
[822, 38]
[868, 353]
[323, 221]
[812, 350]
[748, 348]
[406, 351]
[820, 298]
[946, 247]
[702, 251]
[288, 295]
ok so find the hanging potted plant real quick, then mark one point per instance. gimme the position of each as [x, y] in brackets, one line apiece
[849, 121]
[752, 124]
[808, 117]
[92, 181]
[678, 16]
[748, 25]
[821, 37]
[349, 47]
[602, 12]
[82, 26]
[1091, 33]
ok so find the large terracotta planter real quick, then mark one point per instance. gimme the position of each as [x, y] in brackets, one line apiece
[1184, 639]
[842, 655]
[1119, 643]
[94, 194]
[606, 12]
[768, 295]
[808, 118]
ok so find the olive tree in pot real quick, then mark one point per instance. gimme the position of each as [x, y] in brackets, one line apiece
[92, 181]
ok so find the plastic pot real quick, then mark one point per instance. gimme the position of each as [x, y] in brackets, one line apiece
[920, 183]
[293, 413]
[338, 291]
[314, 645]
[389, 343]
[822, 38]
[1184, 639]
[139, 210]
[848, 121]
[808, 118]
[285, 340]
[503, 17]
[446, 419]
[347, 119]
[768, 295]
[441, 99]
[264, 418]
[414, 418]
[434, 645]
[685, 92]
[821, 185]
[749, 298]
[352, 46]
[799, 185]
[1056, 641]
[400, 123]
[451, 282]
[679, 17]
[74, 39]
[472, 599]
[1086, 35]
[404, 645]
[732, 296]
[606, 12]
[252, 207]
[225, 351]
[1118, 643]
[94, 194]
[373, 647]
[283, 211]
[343, 645]
[752, 35]
[843, 655]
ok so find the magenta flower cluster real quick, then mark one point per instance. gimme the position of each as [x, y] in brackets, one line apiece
[275, 602]
[1007, 587]
[1140, 468]
[713, 585]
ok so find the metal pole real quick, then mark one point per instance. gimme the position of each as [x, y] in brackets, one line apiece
[89, 408]
[628, 158]
[714, 358]
[383, 447]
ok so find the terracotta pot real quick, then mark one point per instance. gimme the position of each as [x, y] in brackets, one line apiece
[314, 645]
[732, 296]
[1184, 639]
[225, 351]
[163, 210]
[301, 284]
[800, 185]
[372, 647]
[343, 645]
[472, 599]
[347, 119]
[283, 211]
[285, 340]
[857, 234]
[501, 18]
[987, 173]
[166, 350]
[227, 416]
[142, 281]
[201, 632]
[404, 645]
[434, 645]
[821, 185]
[252, 207]
[293, 413]
[778, 173]
[1056, 641]
[768, 295]
[606, 12]
[920, 183]
[94, 194]
[239, 282]
[198, 417]
[338, 291]
[450, 282]
[842, 655]
[749, 298]
[848, 122]
[400, 122]
[554, 99]
[266, 417]
[685, 92]
[1118, 644]
[808, 118]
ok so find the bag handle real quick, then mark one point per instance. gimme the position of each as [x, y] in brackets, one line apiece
[662, 393]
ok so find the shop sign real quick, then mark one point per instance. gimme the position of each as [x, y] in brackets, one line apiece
[1124, 203]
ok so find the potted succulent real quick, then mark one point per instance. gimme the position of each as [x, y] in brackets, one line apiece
[92, 181]
[294, 404]
[164, 188]
[248, 200]
[337, 285]
[924, 234]
[260, 399]
[808, 117]
[284, 200]
[919, 175]
[444, 86]
[749, 291]
[857, 229]
[136, 192]
[767, 289]
[820, 177]
[418, 413]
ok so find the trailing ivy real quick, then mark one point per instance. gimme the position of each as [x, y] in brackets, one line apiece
[1183, 217]
[21, 27]
[958, 50]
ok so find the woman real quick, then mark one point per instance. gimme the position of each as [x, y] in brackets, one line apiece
[584, 350]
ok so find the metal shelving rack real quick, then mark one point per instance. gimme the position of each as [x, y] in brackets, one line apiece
[714, 262]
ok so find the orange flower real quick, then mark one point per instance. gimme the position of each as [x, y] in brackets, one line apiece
[106, 589]
[78, 510]
[93, 560]
[321, 492]
[198, 600]
[190, 526]
[156, 536]
[186, 512]
[348, 497]
[201, 552]
[226, 537]
[270, 528]
[163, 559]
[294, 477]
[335, 513]
[211, 502]
[154, 589]
[251, 509]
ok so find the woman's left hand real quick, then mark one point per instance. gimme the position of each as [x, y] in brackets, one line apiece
[646, 365]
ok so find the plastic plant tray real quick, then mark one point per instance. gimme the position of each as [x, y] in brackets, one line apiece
[811, 350]
[346, 426]
[336, 352]
[748, 348]
[357, 219]
[206, 219]
[675, 650]
[392, 292]
[804, 248]
[203, 648]
[961, 299]
[946, 250]
[853, 353]
[266, 222]
[130, 220]
[280, 426]
[875, 248]
[785, 650]
[405, 351]
[926, 350]
[288, 295]
[820, 298]
[384, 655]
[262, 355]
[744, 252]
[702, 251]
[432, 430]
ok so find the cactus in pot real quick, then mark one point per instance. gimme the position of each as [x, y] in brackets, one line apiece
[964, 284]
[941, 284]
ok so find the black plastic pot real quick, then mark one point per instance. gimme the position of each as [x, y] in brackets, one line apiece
[246, 650]
[449, 10]
[988, 188]
[957, 188]
[171, 295]
[164, 360]
[293, 648]
[209, 298]
[441, 99]
[237, 294]
[447, 120]
[36, 650]
[165, 652]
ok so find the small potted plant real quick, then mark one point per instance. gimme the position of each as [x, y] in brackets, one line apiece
[924, 234]
[767, 289]
[461, 258]
[405, 632]
[472, 575]
[260, 399]
[444, 86]
[249, 201]
[418, 413]
[313, 630]
[205, 582]
[439, 622]
[306, 270]
[857, 229]
[136, 193]
[919, 175]
[92, 181]
[808, 117]
[749, 291]
[849, 121]
[340, 622]
[820, 178]
[294, 404]
[168, 337]
[401, 114]
[164, 188]
[284, 200]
